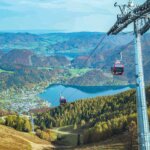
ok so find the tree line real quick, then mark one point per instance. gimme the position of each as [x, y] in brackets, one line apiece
[18, 122]
[88, 111]
[100, 118]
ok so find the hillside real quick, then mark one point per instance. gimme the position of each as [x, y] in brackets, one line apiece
[72, 44]
[23, 67]
[107, 53]
[47, 43]
[14, 140]
[71, 50]
[89, 111]
[95, 119]
[69, 137]
[97, 77]
[28, 58]
[31, 62]
[119, 142]
[102, 123]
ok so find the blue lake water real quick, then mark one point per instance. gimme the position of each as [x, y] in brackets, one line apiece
[73, 93]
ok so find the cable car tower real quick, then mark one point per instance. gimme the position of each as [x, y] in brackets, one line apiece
[140, 17]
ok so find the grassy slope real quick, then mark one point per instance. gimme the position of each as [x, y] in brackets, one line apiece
[14, 140]
[115, 143]
[69, 135]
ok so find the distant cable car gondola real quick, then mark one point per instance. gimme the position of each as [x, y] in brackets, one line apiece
[63, 100]
[118, 68]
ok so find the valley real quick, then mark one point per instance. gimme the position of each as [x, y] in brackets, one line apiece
[102, 122]
[29, 63]
[32, 65]
[74, 75]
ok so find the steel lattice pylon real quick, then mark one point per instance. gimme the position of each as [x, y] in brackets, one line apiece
[132, 13]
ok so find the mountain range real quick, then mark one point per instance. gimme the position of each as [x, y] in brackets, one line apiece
[75, 50]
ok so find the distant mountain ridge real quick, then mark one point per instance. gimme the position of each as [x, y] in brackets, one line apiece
[47, 43]
[28, 58]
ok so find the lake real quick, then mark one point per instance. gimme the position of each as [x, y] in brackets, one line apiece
[73, 93]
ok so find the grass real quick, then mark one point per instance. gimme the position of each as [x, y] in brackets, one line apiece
[75, 72]
[69, 138]
[11, 139]
[44, 68]
[8, 140]
[118, 142]
[67, 134]
[10, 72]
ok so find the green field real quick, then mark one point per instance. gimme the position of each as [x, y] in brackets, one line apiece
[10, 72]
[76, 72]
[68, 136]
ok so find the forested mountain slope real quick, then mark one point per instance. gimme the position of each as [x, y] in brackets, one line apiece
[97, 119]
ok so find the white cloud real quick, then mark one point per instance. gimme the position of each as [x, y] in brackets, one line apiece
[71, 15]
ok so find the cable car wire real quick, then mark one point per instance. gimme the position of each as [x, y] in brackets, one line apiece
[97, 46]
[85, 62]
[92, 52]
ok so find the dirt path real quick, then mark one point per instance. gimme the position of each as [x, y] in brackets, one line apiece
[36, 146]
[40, 146]
[68, 138]
[62, 132]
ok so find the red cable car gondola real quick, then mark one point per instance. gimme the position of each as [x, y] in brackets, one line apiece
[62, 100]
[118, 68]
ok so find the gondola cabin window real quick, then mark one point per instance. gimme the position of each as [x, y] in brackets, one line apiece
[118, 68]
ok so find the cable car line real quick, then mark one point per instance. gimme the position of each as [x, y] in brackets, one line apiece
[92, 52]
[97, 46]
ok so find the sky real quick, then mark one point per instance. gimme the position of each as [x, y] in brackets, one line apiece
[59, 15]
